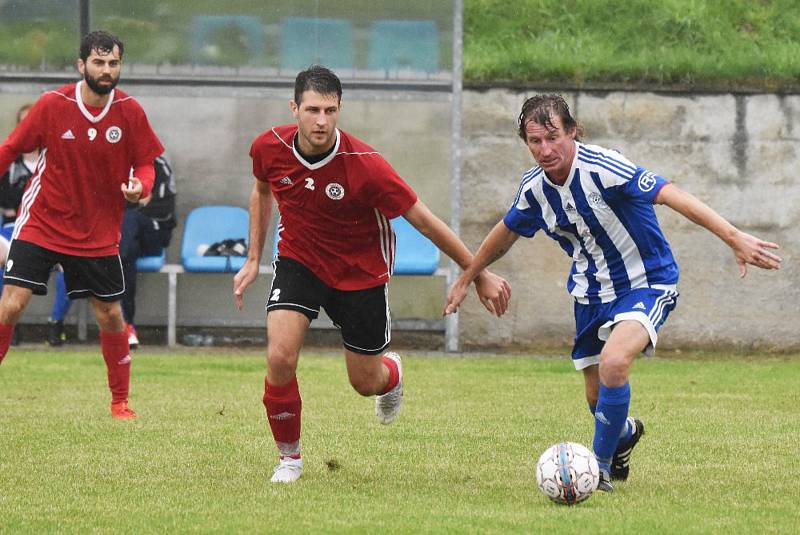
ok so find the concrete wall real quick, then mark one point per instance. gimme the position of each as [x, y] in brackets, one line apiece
[207, 133]
[738, 153]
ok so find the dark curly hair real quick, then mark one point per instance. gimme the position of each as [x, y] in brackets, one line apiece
[101, 41]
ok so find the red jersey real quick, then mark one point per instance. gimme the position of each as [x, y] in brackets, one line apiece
[334, 213]
[73, 203]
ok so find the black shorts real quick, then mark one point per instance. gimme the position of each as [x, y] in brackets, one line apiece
[362, 316]
[29, 266]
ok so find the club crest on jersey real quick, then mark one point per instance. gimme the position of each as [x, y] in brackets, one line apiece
[113, 134]
[334, 191]
[647, 181]
[595, 200]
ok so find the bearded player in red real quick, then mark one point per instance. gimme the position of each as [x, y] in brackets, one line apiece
[335, 196]
[97, 151]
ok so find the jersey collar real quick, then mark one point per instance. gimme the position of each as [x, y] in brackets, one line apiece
[86, 113]
[320, 163]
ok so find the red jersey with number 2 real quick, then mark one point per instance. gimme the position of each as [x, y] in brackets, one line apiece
[334, 213]
[73, 203]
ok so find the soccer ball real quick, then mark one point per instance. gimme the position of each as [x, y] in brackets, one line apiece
[567, 473]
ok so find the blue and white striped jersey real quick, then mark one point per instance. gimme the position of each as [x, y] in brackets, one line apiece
[603, 217]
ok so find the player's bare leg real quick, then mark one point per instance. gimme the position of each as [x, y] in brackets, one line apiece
[382, 375]
[12, 305]
[286, 330]
[117, 355]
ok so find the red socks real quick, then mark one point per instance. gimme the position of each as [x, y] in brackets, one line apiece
[284, 406]
[117, 355]
[5, 339]
[394, 374]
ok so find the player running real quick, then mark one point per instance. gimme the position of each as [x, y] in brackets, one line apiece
[598, 206]
[91, 136]
[335, 196]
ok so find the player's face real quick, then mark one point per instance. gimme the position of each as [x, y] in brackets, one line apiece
[316, 116]
[101, 70]
[552, 148]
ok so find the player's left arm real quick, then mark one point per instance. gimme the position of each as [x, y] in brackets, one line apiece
[746, 248]
[493, 290]
[140, 184]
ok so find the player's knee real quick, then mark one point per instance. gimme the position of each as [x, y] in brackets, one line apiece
[281, 362]
[614, 369]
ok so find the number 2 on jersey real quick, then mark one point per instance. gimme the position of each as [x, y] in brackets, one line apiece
[310, 183]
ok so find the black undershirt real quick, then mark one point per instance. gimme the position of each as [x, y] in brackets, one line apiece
[316, 157]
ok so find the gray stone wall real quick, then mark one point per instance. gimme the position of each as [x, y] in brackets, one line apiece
[739, 154]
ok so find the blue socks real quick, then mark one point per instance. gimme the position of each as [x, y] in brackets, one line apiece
[610, 425]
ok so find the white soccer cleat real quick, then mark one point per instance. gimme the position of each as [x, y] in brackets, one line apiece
[287, 471]
[387, 406]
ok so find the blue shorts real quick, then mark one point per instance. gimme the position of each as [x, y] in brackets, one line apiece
[593, 323]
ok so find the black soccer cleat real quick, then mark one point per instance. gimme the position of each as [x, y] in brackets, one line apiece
[605, 484]
[620, 464]
[55, 333]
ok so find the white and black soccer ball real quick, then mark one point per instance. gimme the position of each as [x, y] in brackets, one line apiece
[567, 473]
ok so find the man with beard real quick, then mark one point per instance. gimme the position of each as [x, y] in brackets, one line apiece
[97, 152]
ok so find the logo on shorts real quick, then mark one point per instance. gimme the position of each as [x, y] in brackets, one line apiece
[647, 181]
[9, 265]
[639, 306]
[113, 134]
[334, 191]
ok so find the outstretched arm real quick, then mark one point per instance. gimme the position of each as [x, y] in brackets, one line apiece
[496, 244]
[746, 248]
[260, 210]
[493, 291]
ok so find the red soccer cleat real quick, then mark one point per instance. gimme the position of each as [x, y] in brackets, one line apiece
[133, 339]
[121, 411]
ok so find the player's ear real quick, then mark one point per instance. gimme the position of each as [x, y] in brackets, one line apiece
[572, 132]
[81, 66]
[294, 107]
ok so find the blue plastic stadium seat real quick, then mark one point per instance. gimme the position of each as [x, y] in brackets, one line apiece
[404, 45]
[151, 263]
[237, 30]
[308, 40]
[206, 225]
[416, 254]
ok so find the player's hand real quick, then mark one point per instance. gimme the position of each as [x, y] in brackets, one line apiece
[494, 292]
[751, 250]
[456, 295]
[243, 279]
[132, 189]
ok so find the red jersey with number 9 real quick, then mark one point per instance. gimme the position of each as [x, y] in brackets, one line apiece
[73, 203]
[334, 213]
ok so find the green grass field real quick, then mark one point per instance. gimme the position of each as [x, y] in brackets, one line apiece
[720, 454]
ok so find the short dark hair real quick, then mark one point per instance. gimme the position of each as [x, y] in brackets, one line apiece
[317, 78]
[22, 109]
[101, 41]
[541, 108]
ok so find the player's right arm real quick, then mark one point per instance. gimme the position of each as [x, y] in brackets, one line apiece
[497, 243]
[260, 209]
